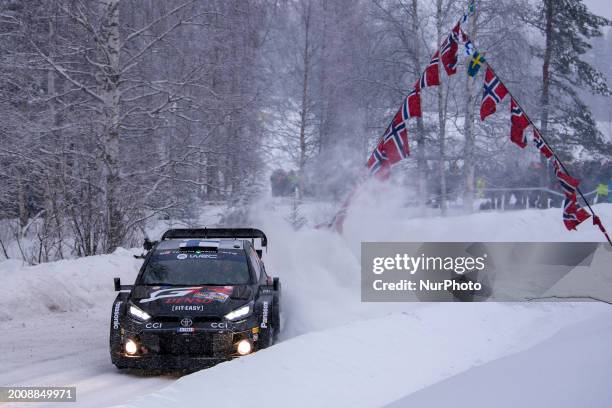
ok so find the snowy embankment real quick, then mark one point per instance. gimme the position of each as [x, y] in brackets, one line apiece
[570, 369]
[335, 350]
[76, 285]
[374, 362]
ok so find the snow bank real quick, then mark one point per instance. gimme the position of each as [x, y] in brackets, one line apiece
[63, 286]
[571, 369]
[374, 362]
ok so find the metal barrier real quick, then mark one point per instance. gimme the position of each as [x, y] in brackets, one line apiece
[499, 203]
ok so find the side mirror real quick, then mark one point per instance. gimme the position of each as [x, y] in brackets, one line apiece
[117, 282]
[259, 253]
[148, 244]
[276, 284]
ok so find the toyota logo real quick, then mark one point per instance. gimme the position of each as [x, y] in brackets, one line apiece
[186, 322]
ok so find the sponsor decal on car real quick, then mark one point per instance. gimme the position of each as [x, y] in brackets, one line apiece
[153, 325]
[264, 317]
[216, 294]
[199, 294]
[185, 308]
[202, 256]
[181, 256]
[185, 330]
[116, 315]
[170, 293]
[188, 301]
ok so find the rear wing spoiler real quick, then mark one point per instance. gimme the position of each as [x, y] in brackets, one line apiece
[235, 233]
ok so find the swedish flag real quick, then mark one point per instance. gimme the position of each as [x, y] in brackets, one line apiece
[476, 61]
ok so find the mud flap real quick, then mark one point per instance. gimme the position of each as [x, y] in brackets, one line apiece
[116, 323]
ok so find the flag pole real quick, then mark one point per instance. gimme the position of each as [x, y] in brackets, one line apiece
[596, 219]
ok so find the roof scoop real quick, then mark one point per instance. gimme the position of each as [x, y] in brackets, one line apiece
[217, 233]
[199, 245]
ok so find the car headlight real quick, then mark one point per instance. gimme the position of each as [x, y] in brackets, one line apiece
[139, 313]
[240, 313]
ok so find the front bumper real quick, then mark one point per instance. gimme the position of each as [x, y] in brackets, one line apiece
[170, 362]
[171, 347]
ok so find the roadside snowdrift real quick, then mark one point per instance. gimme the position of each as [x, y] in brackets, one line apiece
[571, 369]
[374, 362]
[63, 286]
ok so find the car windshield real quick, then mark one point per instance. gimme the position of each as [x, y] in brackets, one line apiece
[178, 267]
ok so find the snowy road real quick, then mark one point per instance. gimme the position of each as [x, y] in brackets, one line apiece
[68, 349]
[58, 335]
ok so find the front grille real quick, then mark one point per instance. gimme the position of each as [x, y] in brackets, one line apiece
[195, 319]
[189, 344]
[198, 344]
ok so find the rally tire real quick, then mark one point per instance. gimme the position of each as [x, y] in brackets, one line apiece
[115, 350]
[276, 319]
[266, 337]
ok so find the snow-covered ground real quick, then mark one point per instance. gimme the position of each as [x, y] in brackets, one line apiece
[374, 362]
[335, 350]
[569, 369]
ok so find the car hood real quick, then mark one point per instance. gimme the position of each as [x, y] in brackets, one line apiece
[190, 300]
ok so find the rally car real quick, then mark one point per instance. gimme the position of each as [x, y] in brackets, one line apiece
[202, 296]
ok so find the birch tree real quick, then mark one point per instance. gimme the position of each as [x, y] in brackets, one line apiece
[121, 113]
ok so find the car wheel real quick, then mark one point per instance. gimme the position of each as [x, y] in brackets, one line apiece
[114, 343]
[276, 319]
[266, 337]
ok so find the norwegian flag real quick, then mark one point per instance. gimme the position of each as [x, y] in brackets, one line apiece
[459, 35]
[541, 144]
[378, 162]
[519, 124]
[411, 108]
[394, 144]
[448, 51]
[573, 214]
[493, 93]
[567, 182]
[395, 139]
[431, 75]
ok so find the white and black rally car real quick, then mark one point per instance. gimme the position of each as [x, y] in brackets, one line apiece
[202, 296]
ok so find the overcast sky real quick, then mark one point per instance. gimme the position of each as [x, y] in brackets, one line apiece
[600, 7]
